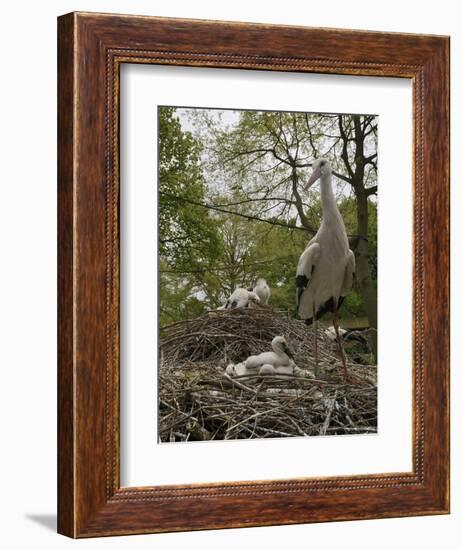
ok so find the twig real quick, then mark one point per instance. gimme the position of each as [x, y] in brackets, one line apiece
[326, 424]
[238, 384]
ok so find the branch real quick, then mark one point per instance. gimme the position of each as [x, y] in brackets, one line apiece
[298, 200]
[246, 216]
[296, 135]
[219, 268]
[372, 130]
[371, 190]
[344, 154]
[368, 160]
[257, 199]
[341, 177]
[285, 161]
[373, 164]
[282, 133]
[311, 138]
[235, 154]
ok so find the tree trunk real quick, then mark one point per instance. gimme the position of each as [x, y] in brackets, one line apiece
[298, 200]
[363, 274]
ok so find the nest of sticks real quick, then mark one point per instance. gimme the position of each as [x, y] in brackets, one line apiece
[199, 402]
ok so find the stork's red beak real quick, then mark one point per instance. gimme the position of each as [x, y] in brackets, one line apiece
[314, 177]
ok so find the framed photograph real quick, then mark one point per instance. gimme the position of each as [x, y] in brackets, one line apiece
[253, 275]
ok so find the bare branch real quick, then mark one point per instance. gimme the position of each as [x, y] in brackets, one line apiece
[368, 160]
[345, 139]
[342, 177]
[298, 200]
[246, 216]
[311, 137]
[257, 199]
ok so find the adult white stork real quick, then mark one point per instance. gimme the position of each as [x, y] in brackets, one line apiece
[326, 267]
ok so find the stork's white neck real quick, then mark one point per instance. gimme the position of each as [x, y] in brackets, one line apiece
[278, 350]
[329, 205]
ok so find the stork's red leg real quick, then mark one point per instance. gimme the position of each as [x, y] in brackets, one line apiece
[340, 342]
[316, 353]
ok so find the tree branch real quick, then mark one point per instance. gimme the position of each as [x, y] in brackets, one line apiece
[236, 154]
[311, 137]
[246, 216]
[368, 160]
[344, 154]
[297, 196]
[341, 177]
[228, 267]
[257, 199]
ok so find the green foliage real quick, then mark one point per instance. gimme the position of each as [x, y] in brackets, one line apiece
[188, 234]
[177, 300]
[278, 252]
[189, 239]
[353, 305]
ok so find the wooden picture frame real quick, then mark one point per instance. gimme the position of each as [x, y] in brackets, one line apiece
[92, 48]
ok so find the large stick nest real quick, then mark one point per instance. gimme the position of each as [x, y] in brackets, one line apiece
[197, 401]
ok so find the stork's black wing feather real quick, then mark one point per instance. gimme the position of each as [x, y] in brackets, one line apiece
[301, 284]
[327, 307]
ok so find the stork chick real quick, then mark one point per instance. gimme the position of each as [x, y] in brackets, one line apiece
[279, 361]
[241, 297]
[262, 290]
[280, 357]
